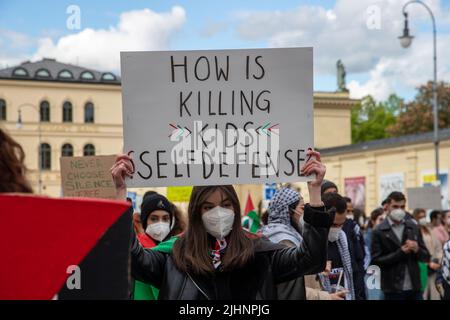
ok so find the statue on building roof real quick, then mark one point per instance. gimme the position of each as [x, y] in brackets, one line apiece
[341, 77]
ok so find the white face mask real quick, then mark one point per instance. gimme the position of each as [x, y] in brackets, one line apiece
[423, 221]
[158, 231]
[333, 236]
[397, 215]
[301, 222]
[350, 216]
[361, 221]
[218, 222]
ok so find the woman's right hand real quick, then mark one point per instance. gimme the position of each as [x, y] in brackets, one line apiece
[122, 168]
[434, 266]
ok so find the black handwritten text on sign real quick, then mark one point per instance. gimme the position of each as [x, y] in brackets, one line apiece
[217, 117]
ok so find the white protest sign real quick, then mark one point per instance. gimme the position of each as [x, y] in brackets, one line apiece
[389, 183]
[425, 198]
[217, 117]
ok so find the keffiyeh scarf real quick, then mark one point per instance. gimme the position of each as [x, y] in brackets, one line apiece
[446, 262]
[347, 266]
[279, 226]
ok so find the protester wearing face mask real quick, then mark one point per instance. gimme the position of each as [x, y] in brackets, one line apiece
[349, 211]
[284, 222]
[284, 226]
[438, 227]
[428, 270]
[360, 253]
[157, 217]
[216, 259]
[159, 224]
[397, 247]
[377, 216]
[343, 271]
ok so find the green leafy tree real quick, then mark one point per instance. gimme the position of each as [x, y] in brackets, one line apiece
[370, 118]
[417, 116]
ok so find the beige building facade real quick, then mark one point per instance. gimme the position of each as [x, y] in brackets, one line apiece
[44, 91]
[402, 163]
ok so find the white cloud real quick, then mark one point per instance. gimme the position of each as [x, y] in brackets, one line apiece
[378, 85]
[100, 48]
[343, 33]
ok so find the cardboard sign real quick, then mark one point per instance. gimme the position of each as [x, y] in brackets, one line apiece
[45, 241]
[88, 177]
[424, 198]
[217, 117]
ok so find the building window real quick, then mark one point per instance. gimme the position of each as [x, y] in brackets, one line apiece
[67, 112]
[44, 110]
[45, 156]
[2, 109]
[108, 76]
[42, 73]
[89, 113]
[87, 75]
[20, 72]
[89, 150]
[67, 150]
[65, 74]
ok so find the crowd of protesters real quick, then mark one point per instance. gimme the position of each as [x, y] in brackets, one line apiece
[321, 250]
[410, 250]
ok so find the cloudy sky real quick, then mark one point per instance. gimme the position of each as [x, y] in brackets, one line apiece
[362, 33]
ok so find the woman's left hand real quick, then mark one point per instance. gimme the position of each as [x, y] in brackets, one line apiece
[314, 166]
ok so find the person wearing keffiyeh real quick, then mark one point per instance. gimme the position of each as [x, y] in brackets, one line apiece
[284, 226]
[279, 227]
[443, 279]
[346, 266]
[339, 251]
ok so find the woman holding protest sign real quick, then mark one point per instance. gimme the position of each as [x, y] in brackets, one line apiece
[216, 259]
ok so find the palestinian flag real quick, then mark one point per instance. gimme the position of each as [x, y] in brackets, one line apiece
[251, 220]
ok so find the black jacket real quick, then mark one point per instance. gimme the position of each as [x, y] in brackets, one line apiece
[357, 252]
[272, 264]
[386, 254]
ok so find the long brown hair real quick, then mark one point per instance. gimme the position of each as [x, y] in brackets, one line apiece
[12, 167]
[191, 251]
[180, 223]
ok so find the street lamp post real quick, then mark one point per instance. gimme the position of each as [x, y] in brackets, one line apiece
[405, 41]
[19, 126]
